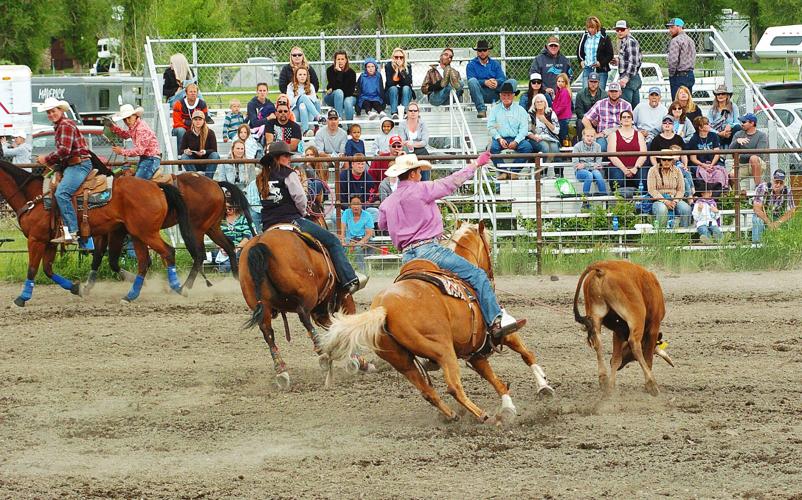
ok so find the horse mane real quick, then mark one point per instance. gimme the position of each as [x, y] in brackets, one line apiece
[462, 231]
[19, 175]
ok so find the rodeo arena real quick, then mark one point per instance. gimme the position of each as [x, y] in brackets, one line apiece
[496, 264]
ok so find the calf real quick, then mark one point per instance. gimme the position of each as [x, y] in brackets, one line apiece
[627, 299]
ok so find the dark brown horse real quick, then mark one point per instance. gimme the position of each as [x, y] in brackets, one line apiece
[285, 274]
[137, 206]
[401, 325]
[206, 203]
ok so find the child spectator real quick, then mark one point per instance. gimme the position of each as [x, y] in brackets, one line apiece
[588, 169]
[705, 212]
[354, 145]
[252, 148]
[563, 107]
[356, 230]
[303, 100]
[232, 121]
[370, 89]
[381, 144]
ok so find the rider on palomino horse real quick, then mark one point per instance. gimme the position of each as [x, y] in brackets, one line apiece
[284, 201]
[411, 216]
[146, 146]
[72, 163]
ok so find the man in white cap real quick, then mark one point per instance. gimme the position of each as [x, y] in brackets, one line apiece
[648, 115]
[629, 61]
[72, 164]
[146, 146]
[413, 219]
[681, 57]
[20, 151]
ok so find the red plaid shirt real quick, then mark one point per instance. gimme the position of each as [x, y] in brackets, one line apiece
[69, 142]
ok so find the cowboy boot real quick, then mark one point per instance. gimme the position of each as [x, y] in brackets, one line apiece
[505, 325]
[66, 238]
[357, 284]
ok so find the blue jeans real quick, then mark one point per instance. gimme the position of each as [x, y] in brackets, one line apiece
[481, 95]
[681, 210]
[358, 253]
[392, 97]
[602, 77]
[71, 180]
[758, 226]
[307, 110]
[178, 133]
[524, 147]
[711, 231]
[588, 177]
[631, 93]
[616, 176]
[679, 81]
[210, 168]
[477, 278]
[440, 97]
[147, 166]
[345, 273]
[563, 131]
[345, 106]
[688, 181]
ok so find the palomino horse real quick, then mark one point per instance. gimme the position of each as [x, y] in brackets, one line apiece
[206, 203]
[285, 274]
[413, 318]
[136, 205]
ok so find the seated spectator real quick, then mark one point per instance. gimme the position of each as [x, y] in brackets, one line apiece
[682, 125]
[199, 144]
[319, 168]
[604, 115]
[668, 140]
[398, 83]
[588, 168]
[355, 181]
[260, 108]
[535, 87]
[563, 107]
[235, 226]
[627, 173]
[508, 125]
[649, 115]
[705, 212]
[415, 135]
[708, 167]
[381, 143]
[774, 205]
[183, 110]
[170, 86]
[550, 63]
[303, 100]
[179, 80]
[585, 99]
[20, 152]
[330, 140]
[485, 77]
[723, 115]
[370, 89]
[255, 200]
[232, 120]
[297, 60]
[666, 187]
[252, 148]
[441, 79]
[378, 167]
[340, 86]
[594, 53]
[236, 173]
[749, 137]
[681, 162]
[356, 231]
[544, 129]
[316, 193]
[387, 187]
[685, 99]
[355, 144]
[281, 128]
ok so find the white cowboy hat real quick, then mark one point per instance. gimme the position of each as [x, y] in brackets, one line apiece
[127, 110]
[405, 163]
[667, 154]
[52, 102]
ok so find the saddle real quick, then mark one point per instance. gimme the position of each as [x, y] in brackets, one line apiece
[452, 285]
[161, 178]
[94, 192]
[307, 238]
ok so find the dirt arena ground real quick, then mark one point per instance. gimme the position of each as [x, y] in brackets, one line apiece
[169, 398]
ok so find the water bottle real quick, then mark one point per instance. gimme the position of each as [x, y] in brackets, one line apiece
[301, 146]
[640, 189]
[615, 223]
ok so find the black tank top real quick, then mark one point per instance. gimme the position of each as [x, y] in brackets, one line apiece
[279, 206]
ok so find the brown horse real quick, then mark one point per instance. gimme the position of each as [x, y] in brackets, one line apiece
[401, 325]
[137, 206]
[284, 273]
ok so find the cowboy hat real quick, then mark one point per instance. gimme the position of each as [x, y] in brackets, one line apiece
[509, 86]
[52, 102]
[667, 154]
[127, 110]
[405, 163]
[482, 45]
[721, 88]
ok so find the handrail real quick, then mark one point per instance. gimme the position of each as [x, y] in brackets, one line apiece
[157, 95]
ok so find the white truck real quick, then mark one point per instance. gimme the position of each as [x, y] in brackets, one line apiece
[15, 100]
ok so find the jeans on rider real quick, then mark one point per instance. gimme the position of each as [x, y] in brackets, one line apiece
[345, 272]
[147, 166]
[71, 180]
[477, 278]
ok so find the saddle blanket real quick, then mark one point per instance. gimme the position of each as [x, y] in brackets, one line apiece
[100, 194]
[306, 237]
[448, 283]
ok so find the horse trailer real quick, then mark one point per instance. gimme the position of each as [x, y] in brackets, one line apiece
[93, 97]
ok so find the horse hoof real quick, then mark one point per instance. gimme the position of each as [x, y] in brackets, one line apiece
[545, 392]
[125, 301]
[282, 381]
[352, 367]
[324, 361]
[126, 276]
[19, 302]
[77, 289]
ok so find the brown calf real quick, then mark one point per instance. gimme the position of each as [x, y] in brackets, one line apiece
[627, 299]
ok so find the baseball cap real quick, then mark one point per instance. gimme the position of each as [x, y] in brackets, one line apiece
[593, 77]
[614, 86]
[535, 76]
[675, 22]
[332, 114]
[779, 175]
[667, 118]
[621, 24]
[748, 117]
[553, 40]
[654, 90]
[396, 138]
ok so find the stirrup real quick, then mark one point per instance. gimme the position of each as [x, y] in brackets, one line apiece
[65, 239]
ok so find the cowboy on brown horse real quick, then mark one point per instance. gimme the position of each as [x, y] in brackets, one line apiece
[411, 216]
[284, 201]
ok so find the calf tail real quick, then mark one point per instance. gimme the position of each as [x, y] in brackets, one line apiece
[583, 320]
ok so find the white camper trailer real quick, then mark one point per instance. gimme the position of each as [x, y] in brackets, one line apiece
[15, 100]
[780, 42]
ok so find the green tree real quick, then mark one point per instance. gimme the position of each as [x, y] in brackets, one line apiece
[27, 28]
[84, 21]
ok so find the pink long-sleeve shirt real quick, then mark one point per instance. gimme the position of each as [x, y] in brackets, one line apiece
[144, 139]
[562, 104]
[411, 214]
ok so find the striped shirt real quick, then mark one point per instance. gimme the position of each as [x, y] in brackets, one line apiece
[231, 123]
[591, 48]
[774, 205]
[681, 54]
[606, 114]
[630, 57]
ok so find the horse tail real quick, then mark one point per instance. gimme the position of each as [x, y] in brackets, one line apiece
[351, 333]
[175, 202]
[257, 267]
[583, 320]
[238, 197]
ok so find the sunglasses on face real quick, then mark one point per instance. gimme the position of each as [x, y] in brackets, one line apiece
[396, 146]
[297, 55]
[536, 82]
[398, 57]
[482, 50]
[619, 30]
[282, 111]
[626, 117]
[413, 110]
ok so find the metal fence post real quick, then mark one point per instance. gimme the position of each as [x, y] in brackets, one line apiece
[728, 73]
[502, 49]
[378, 45]
[322, 70]
[737, 207]
[538, 217]
[195, 57]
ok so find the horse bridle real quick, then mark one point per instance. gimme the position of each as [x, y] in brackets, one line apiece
[475, 255]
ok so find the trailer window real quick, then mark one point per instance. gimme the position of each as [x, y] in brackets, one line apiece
[103, 99]
[786, 40]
